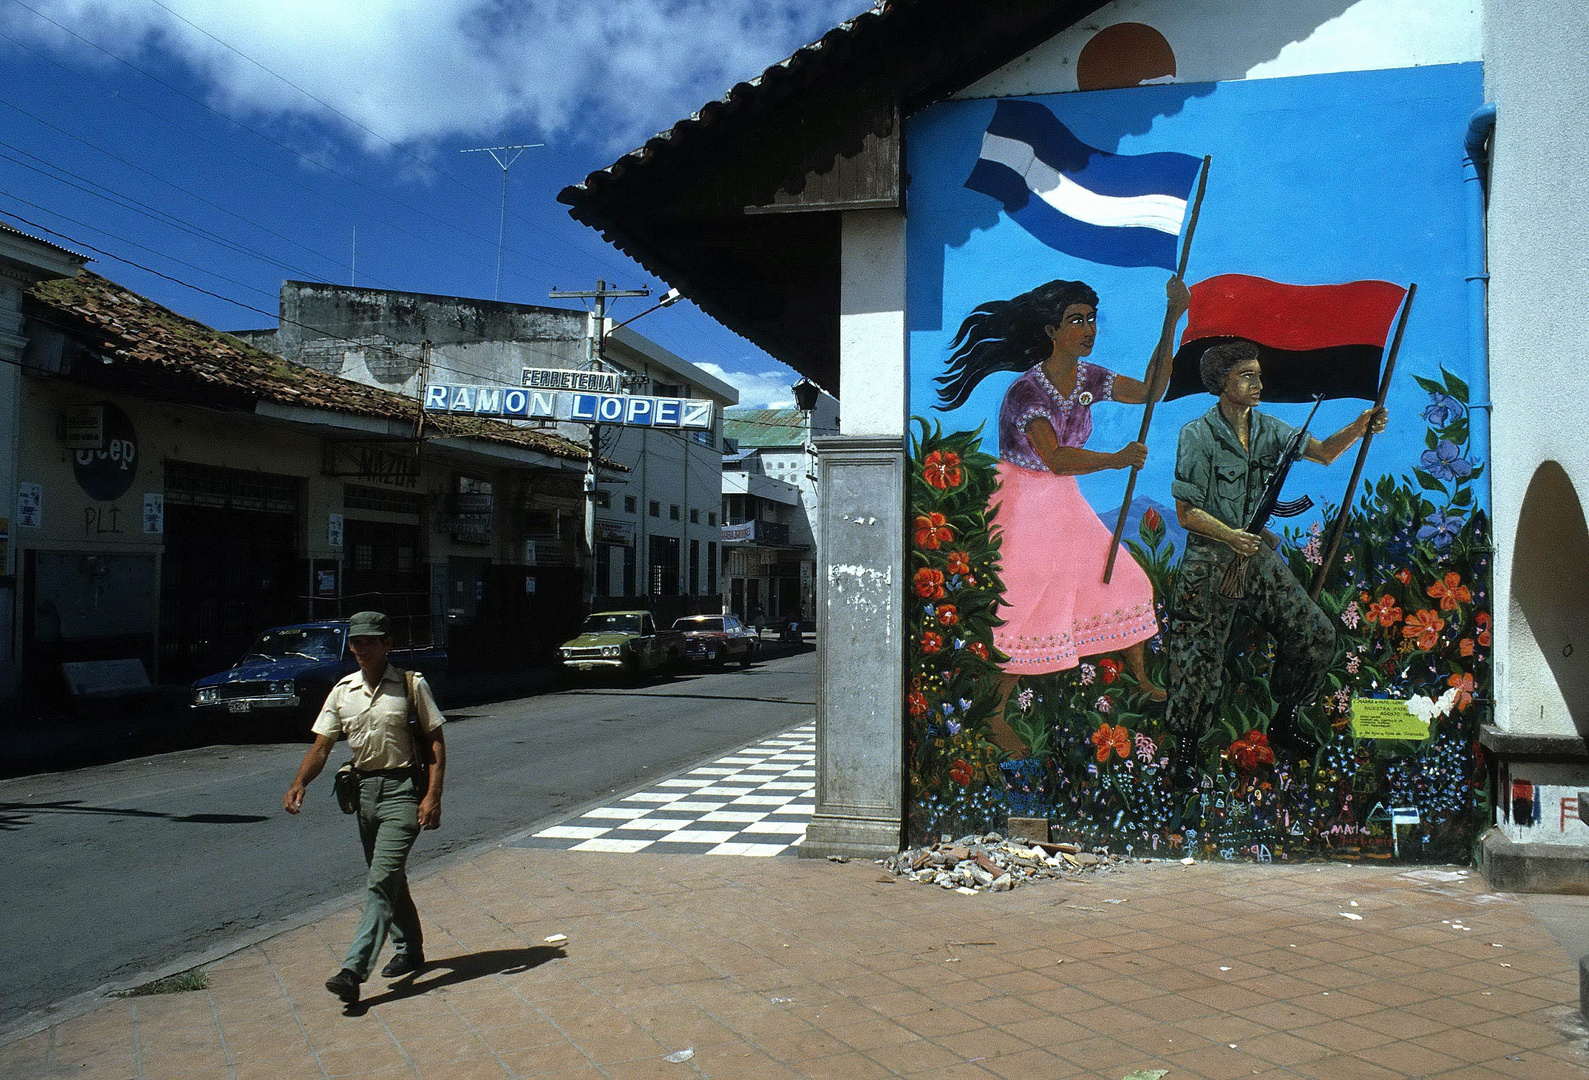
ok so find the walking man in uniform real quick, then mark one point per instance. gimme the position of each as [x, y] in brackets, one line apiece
[372, 707]
[1223, 462]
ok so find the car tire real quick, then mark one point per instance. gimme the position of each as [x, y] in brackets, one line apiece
[750, 654]
[713, 656]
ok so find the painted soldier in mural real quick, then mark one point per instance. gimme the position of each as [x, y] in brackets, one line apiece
[1057, 607]
[1224, 461]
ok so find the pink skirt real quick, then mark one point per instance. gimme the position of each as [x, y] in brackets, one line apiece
[1056, 607]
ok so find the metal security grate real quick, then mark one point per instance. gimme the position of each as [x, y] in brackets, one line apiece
[391, 502]
[188, 484]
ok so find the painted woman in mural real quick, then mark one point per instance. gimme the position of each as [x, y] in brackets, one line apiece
[1053, 547]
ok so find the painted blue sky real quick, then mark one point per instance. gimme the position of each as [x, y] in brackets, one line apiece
[234, 145]
[1315, 179]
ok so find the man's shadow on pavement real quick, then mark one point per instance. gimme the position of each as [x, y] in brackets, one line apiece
[438, 974]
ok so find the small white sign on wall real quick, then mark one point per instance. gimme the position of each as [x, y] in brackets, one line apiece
[30, 506]
[334, 531]
[154, 513]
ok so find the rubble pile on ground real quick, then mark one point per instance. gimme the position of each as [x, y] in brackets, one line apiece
[992, 862]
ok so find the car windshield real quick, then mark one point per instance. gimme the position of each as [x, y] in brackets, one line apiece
[699, 625]
[604, 624]
[315, 642]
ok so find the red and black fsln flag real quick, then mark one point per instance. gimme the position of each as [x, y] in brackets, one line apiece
[1312, 339]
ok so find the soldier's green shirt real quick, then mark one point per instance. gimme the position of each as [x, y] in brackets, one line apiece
[1214, 473]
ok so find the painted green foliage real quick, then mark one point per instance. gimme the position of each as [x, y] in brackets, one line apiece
[1407, 593]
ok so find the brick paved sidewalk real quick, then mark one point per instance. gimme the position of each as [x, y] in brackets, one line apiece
[790, 968]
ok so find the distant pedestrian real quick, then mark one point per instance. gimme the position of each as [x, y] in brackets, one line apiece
[759, 617]
[373, 707]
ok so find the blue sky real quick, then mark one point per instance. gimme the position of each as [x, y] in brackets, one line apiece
[234, 145]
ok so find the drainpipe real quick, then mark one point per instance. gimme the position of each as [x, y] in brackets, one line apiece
[1475, 163]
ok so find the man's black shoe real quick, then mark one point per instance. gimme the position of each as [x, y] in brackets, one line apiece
[402, 964]
[345, 985]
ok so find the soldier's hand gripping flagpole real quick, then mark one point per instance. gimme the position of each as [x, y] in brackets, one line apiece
[1362, 451]
[1159, 369]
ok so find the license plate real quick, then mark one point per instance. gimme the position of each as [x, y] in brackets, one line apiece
[237, 706]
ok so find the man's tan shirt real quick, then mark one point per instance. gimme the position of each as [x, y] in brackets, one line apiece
[376, 724]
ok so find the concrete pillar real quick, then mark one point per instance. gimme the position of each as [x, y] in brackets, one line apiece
[860, 597]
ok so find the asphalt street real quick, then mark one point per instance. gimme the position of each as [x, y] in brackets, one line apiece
[119, 869]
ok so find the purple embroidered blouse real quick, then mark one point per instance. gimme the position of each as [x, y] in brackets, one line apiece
[1032, 395]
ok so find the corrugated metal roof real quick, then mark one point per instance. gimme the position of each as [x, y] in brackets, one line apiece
[12, 230]
[765, 427]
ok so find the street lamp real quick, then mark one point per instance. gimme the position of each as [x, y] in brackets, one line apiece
[806, 393]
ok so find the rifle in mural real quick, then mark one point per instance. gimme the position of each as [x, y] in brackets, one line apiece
[1362, 451]
[1270, 505]
[1160, 355]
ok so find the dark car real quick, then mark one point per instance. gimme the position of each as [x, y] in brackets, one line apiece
[283, 679]
[717, 639]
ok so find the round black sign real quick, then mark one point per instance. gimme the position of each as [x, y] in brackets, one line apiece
[108, 472]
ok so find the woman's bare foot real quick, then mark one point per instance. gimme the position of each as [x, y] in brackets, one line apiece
[1001, 734]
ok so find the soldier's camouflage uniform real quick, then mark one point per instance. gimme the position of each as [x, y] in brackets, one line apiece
[1214, 473]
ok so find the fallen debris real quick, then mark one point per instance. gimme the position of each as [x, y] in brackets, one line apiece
[994, 863]
[680, 1055]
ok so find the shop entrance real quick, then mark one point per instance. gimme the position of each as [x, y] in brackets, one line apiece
[382, 569]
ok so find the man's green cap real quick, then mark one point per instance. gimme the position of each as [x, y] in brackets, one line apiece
[369, 624]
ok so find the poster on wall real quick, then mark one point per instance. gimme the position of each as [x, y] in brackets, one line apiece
[30, 506]
[1159, 337]
[154, 513]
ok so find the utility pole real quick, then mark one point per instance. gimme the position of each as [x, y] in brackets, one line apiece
[503, 156]
[595, 334]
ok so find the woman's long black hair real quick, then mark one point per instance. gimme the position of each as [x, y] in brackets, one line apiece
[1006, 335]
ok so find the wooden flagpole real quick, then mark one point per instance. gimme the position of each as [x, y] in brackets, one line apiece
[1362, 451]
[1160, 355]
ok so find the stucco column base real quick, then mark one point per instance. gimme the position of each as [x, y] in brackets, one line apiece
[860, 649]
[1533, 868]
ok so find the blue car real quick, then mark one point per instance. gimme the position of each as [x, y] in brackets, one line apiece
[284, 677]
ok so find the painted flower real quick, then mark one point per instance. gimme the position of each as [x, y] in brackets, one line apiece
[941, 469]
[1465, 646]
[917, 703]
[948, 615]
[1442, 409]
[1351, 616]
[931, 642]
[932, 530]
[1482, 621]
[1109, 669]
[1384, 611]
[1445, 462]
[1404, 576]
[1439, 529]
[1343, 700]
[977, 649]
[1088, 673]
[1103, 705]
[1146, 747]
[1465, 687]
[1423, 627]
[1353, 664]
[1112, 739]
[929, 583]
[959, 562]
[1152, 520]
[953, 727]
[1024, 699]
[1252, 750]
[960, 772]
[1450, 592]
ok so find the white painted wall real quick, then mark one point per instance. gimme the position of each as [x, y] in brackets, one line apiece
[872, 376]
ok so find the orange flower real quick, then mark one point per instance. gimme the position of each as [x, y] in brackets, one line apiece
[1423, 626]
[1482, 620]
[978, 649]
[1450, 592]
[1384, 610]
[960, 772]
[1112, 740]
[932, 530]
[929, 583]
[931, 642]
[947, 615]
[941, 469]
[1109, 669]
[1465, 688]
[1252, 750]
[1404, 576]
[959, 561]
[1465, 646]
[917, 703]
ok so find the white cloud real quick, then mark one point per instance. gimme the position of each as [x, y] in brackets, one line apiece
[416, 71]
[762, 389]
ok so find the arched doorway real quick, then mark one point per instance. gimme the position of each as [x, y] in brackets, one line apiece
[1548, 630]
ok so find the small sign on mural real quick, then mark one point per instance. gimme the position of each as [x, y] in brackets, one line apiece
[154, 513]
[334, 531]
[1386, 718]
[30, 506]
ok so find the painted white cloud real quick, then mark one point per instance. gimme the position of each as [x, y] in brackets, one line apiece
[416, 71]
[761, 389]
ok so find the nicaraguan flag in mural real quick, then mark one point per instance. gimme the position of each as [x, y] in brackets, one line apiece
[1118, 209]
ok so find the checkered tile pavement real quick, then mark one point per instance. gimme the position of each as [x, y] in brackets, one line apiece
[756, 801]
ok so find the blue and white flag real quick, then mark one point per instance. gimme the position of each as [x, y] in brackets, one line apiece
[1118, 209]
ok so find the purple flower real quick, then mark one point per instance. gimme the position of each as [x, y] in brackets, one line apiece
[1102, 705]
[1440, 528]
[1442, 409]
[954, 727]
[1024, 698]
[1445, 462]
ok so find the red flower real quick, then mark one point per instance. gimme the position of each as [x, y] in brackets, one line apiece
[1450, 592]
[1152, 520]
[931, 642]
[1384, 610]
[978, 649]
[1482, 620]
[929, 583]
[1252, 750]
[947, 615]
[942, 469]
[1112, 740]
[917, 703]
[1109, 669]
[960, 772]
[1404, 576]
[959, 561]
[1424, 627]
[932, 530]
[1465, 688]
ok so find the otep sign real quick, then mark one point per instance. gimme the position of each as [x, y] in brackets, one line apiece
[108, 472]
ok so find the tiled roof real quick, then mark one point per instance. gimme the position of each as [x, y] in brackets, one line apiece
[180, 353]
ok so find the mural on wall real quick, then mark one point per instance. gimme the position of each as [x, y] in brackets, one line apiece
[1198, 320]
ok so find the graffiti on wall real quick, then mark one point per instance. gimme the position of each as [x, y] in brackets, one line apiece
[1202, 320]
